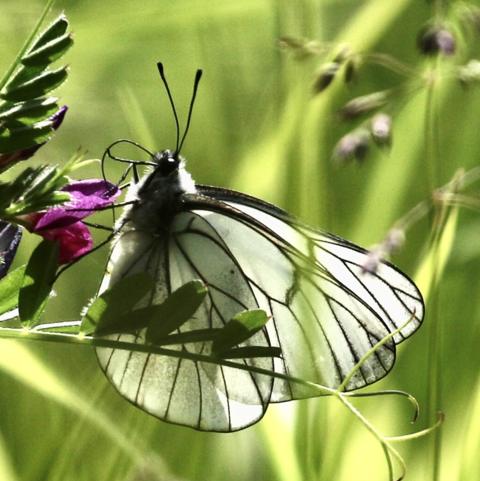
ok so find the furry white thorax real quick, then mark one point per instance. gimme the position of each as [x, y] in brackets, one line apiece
[156, 196]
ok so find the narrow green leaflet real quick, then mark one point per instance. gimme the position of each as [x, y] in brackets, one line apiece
[188, 337]
[108, 309]
[34, 189]
[242, 326]
[48, 53]
[25, 111]
[251, 351]
[30, 111]
[37, 282]
[178, 308]
[37, 86]
[22, 137]
[64, 327]
[9, 287]
[56, 29]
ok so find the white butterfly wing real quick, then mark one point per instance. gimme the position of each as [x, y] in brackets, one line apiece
[200, 395]
[326, 312]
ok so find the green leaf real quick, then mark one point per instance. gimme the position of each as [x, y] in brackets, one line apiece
[178, 308]
[23, 137]
[48, 53]
[65, 327]
[112, 305]
[32, 190]
[37, 282]
[161, 319]
[30, 111]
[9, 287]
[251, 351]
[56, 29]
[37, 86]
[242, 326]
[22, 75]
[187, 337]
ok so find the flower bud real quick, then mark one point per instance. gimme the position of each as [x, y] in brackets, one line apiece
[381, 129]
[435, 40]
[470, 72]
[394, 240]
[372, 260]
[325, 76]
[352, 146]
[363, 104]
[350, 70]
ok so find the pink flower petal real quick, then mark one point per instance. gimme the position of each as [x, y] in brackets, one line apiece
[75, 240]
[87, 196]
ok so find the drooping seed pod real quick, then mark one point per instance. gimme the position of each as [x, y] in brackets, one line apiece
[325, 76]
[381, 129]
[352, 146]
[363, 104]
[436, 39]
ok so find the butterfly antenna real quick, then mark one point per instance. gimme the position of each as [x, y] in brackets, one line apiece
[198, 76]
[162, 75]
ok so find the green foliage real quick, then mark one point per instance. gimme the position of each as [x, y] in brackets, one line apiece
[33, 190]
[9, 287]
[25, 110]
[177, 309]
[37, 282]
[105, 312]
[238, 329]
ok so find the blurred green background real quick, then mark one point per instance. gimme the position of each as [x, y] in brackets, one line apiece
[256, 128]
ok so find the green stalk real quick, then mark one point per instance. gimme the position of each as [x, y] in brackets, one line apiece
[434, 393]
[27, 43]
[34, 335]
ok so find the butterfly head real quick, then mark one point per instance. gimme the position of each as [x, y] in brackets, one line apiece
[167, 162]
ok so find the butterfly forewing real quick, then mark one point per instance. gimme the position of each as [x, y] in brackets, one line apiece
[328, 312]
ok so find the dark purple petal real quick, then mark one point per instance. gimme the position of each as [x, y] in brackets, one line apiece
[87, 196]
[58, 117]
[10, 236]
[74, 241]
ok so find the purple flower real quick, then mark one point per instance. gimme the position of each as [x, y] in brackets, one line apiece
[64, 224]
[10, 236]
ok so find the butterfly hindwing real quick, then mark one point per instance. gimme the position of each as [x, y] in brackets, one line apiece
[205, 396]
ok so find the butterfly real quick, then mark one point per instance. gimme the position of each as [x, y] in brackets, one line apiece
[326, 311]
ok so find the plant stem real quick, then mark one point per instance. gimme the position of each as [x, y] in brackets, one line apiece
[27, 43]
[434, 394]
[33, 335]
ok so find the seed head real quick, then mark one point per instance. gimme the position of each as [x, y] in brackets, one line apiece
[435, 40]
[381, 129]
[469, 73]
[325, 76]
[363, 104]
[352, 146]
